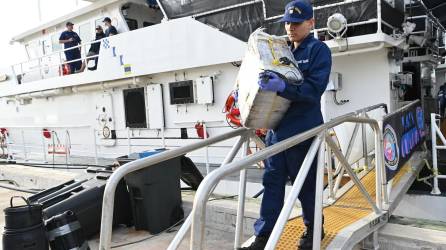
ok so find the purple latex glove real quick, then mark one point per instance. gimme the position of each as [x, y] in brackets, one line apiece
[270, 81]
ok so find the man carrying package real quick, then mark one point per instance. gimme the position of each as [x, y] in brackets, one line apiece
[304, 113]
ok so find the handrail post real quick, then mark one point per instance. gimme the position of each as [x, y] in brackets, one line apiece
[241, 200]
[352, 174]
[435, 189]
[379, 169]
[295, 190]
[380, 162]
[129, 144]
[329, 159]
[112, 182]
[24, 145]
[43, 150]
[319, 196]
[95, 147]
[364, 143]
[205, 135]
[174, 244]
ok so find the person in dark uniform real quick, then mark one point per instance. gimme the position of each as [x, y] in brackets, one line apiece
[111, 30]
[71, 39]
[94, 48]
[441, 100]
[314, 61]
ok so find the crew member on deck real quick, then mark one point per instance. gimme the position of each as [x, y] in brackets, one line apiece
[314, 61]
[94, 48]
[111, 30]
[71, 39]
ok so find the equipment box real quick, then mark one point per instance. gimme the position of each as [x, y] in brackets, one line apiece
[155, 193]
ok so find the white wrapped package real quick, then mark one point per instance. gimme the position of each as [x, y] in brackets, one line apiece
[258, 108]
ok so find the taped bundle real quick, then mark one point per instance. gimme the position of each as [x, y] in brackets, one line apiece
[258, 108]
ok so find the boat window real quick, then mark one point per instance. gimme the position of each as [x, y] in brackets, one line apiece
[139, 15]
[34, 49]
[135, 108]
[86, 32]
[99, 22]
[132, 23]
[55, 42]
[146, 24]
[46, 46]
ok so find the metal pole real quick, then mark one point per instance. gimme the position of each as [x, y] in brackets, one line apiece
[353, 176]
[291, 199]
[206, 149]
[381, 182]
[319, 198]
[44, 150]
[163, 137]
[364, 143]
[379, 16]
[435, 189]
[241, 201]
[24, 145]
[329, 173]
[66, 148]
[110, 188]
[174, 244]
[95, 148]
[54, 144]
[129, 145]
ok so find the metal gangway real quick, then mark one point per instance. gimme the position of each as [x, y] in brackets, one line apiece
[368, 183]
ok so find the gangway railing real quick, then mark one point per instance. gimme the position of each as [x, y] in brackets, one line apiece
[243, 135]
[436, 133]
[197, 217]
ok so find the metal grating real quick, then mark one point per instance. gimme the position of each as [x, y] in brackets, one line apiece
[348, 209]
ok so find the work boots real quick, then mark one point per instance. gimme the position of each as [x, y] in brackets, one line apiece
[306, 240]
[258, 244]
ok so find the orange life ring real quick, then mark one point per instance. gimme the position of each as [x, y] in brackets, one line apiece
[232, 112]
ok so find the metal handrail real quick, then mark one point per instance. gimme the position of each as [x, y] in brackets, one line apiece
[187, 224]
[109, 192]
[436, 133]
[59, 53]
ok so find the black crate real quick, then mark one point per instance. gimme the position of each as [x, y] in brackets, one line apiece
[155, 196]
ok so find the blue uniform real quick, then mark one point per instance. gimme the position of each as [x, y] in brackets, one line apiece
[72, 54]
[111, 31]
[304, 113]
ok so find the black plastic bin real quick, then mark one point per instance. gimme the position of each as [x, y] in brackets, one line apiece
[155, 195]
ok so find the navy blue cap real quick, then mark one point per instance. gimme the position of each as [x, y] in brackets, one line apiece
[297, 11]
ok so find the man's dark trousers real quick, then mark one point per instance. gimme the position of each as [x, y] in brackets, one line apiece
[279, 169]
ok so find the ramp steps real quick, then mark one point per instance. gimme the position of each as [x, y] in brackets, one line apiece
[349, 208]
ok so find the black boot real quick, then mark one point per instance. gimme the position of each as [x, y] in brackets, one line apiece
[306, 240]
[258, 244]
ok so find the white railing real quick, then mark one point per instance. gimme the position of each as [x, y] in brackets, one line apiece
[196, 220]
[28, 143]
[18, 69]
[435, 134]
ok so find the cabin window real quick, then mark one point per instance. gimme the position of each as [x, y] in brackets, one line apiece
[146, 24]
[55, 42]
[181, 92]
[140, 15]
[34, 50]
[135, 108]
[100, 23]
[85, 32]
[132, 23]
